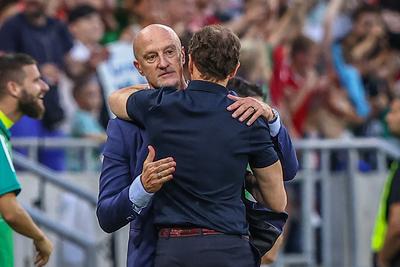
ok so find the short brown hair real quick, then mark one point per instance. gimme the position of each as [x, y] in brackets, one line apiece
[301, 44]
[215, 51]
[11, 68]
[244, 88]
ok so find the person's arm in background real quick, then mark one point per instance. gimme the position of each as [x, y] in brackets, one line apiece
[270, 182]
[391, 245]
[272, 254]
[351, 80]
[20, 221]
[250, 17]
[281, 26]
[331, 13]
[266, 167]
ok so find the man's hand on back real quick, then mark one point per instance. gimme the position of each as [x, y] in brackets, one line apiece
[249, 108]
[156, 173]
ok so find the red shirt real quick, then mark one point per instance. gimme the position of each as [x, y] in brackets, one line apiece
[285, 81]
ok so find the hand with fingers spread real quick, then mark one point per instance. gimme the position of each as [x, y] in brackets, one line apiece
[156, 173]
[249, 108]
[44, 247]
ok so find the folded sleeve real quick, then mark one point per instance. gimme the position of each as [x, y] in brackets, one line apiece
[262, 152]
[139, 104]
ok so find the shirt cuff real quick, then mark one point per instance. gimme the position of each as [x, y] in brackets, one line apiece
[138, 195]
[275, 125]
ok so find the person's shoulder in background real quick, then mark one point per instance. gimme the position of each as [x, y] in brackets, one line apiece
[84, 123]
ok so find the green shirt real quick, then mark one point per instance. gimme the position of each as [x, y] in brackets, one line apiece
[8, 183]
[8, 178]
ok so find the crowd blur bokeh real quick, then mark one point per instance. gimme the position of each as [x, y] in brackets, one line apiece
[330, 67]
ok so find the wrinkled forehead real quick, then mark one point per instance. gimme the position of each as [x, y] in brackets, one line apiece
[155, 40]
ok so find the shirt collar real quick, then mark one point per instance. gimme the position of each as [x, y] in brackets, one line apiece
[8, 123]
[206, 86]
[5, 124]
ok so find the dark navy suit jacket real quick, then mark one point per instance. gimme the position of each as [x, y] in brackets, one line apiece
[124, 153]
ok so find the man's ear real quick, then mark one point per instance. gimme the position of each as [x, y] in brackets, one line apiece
[233, 73]
[183, 55]
[190, 65]
[13, 89]
[137, 66]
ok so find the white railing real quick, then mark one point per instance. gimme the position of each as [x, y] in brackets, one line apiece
[339, 191]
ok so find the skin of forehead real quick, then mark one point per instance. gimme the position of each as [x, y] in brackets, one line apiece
[149, 32]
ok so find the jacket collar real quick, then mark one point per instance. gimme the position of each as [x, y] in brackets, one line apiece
[198, 85]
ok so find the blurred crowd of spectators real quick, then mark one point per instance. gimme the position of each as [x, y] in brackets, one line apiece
[331, 67]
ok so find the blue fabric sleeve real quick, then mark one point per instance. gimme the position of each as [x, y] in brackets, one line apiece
[114, 208]
[351, 80]
[286, 153]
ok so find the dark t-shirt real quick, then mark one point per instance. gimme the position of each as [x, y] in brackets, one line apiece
[394, 197]
[211, 150]
[46, 44]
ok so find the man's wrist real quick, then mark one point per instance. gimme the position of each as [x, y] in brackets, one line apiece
[275, 116]
[275, 123]
[138, 195]
[39, 237]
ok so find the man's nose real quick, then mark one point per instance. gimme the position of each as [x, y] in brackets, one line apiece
[45, 87]
[163, 62]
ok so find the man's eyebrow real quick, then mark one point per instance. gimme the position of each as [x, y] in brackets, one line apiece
[163, 49]
[169, 46]
[148, 53]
